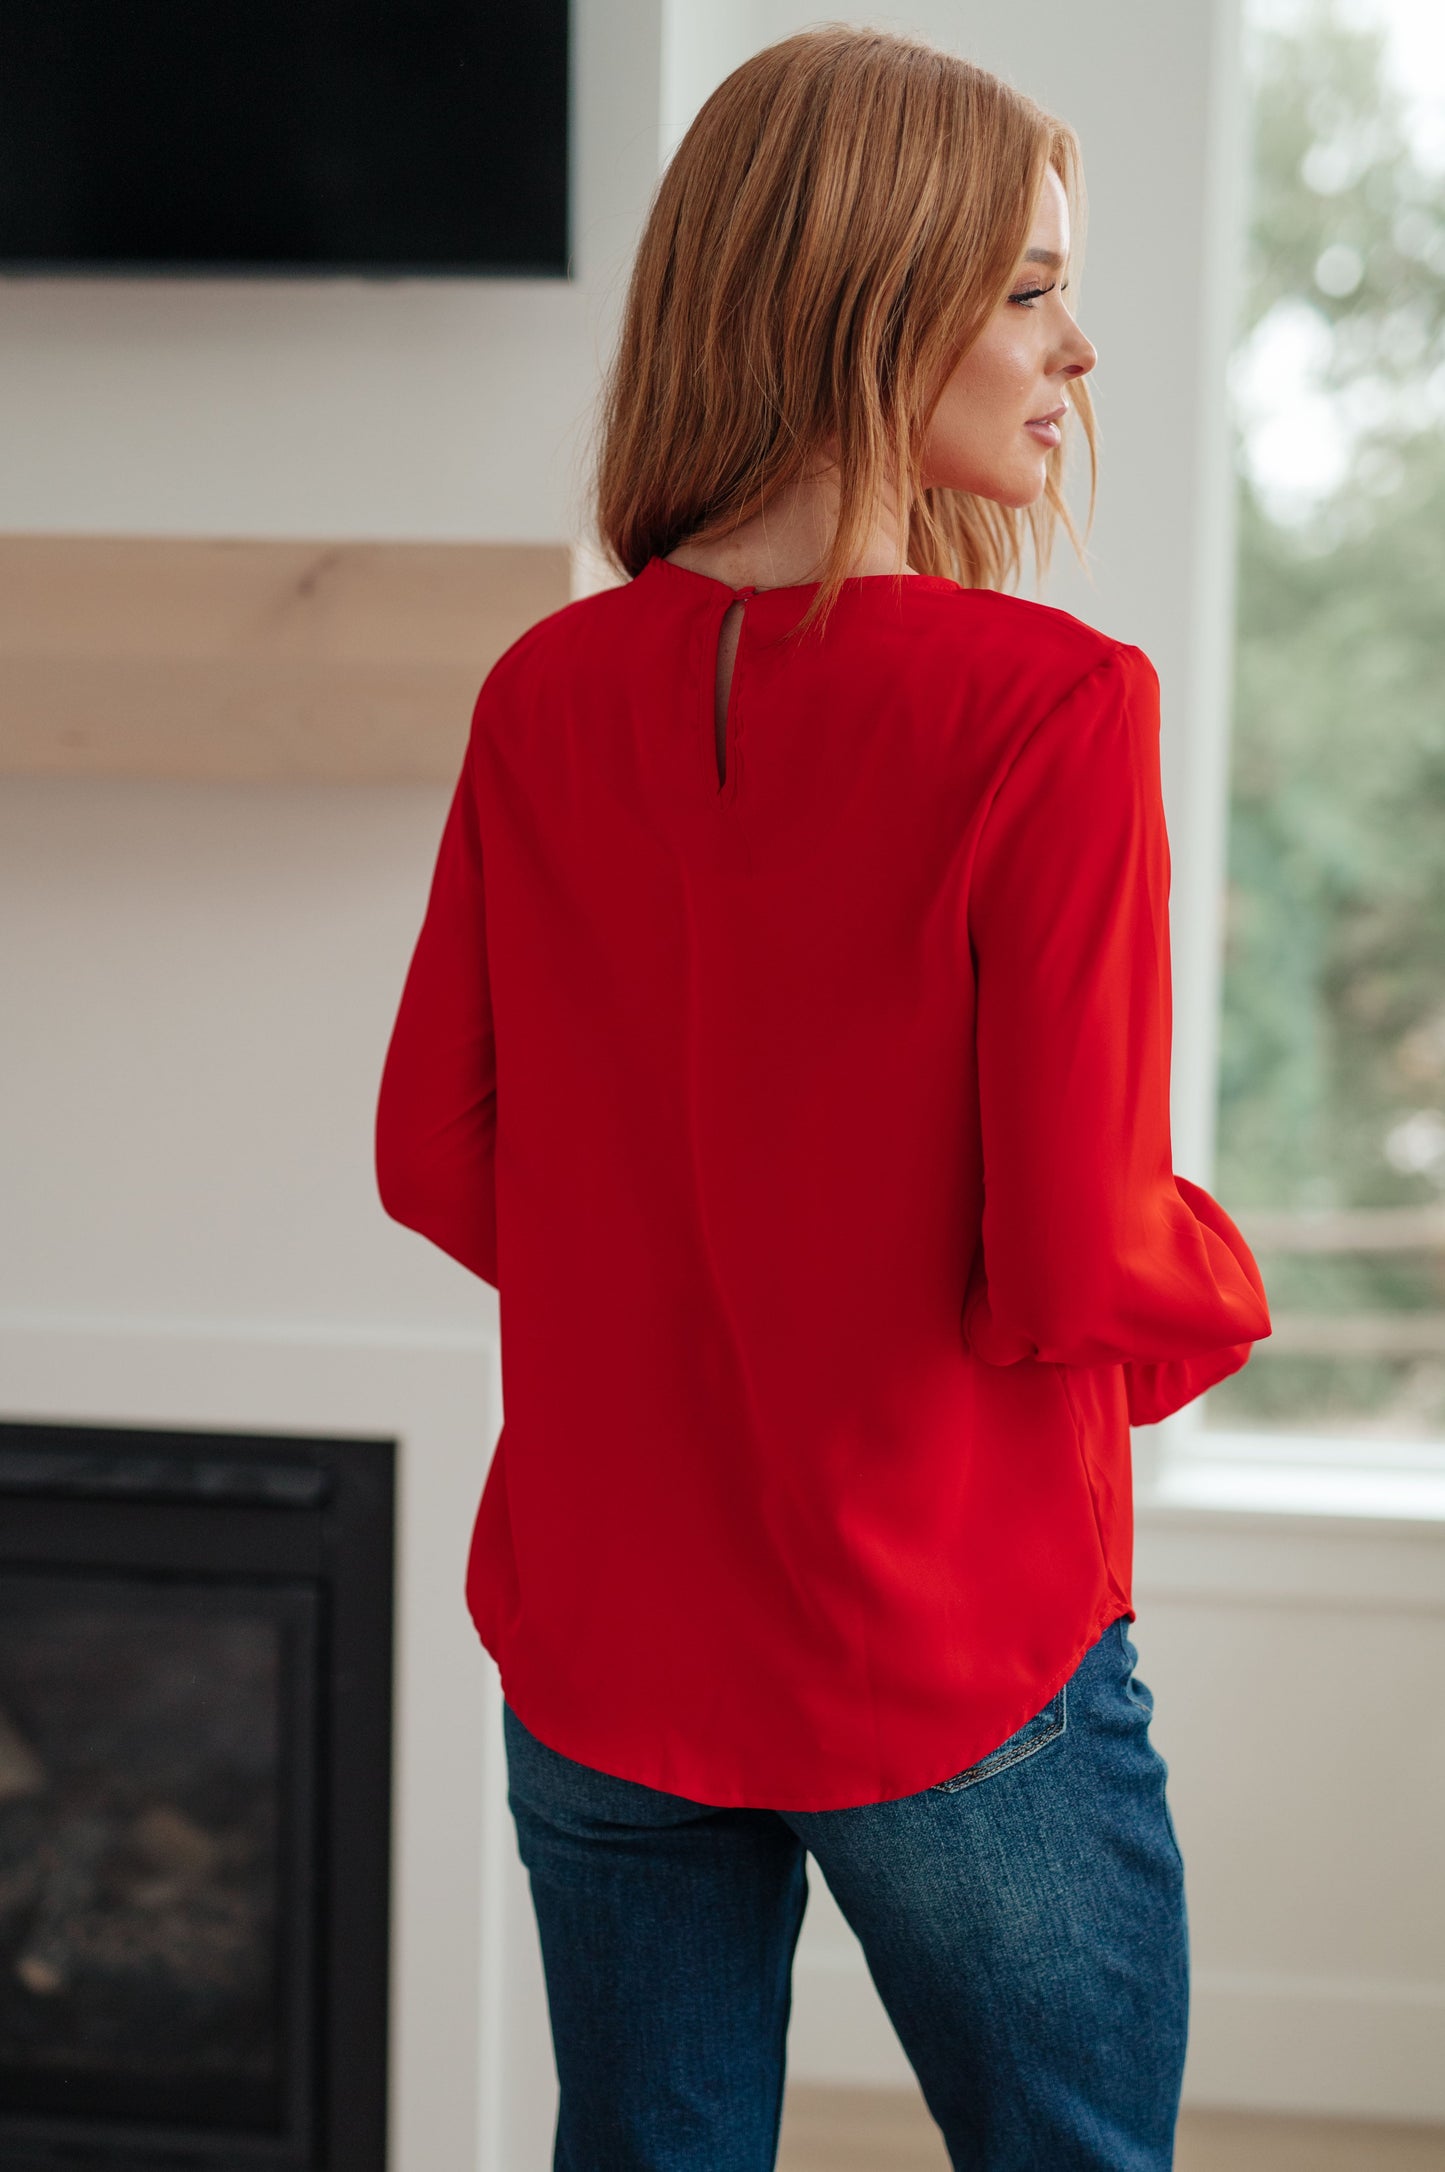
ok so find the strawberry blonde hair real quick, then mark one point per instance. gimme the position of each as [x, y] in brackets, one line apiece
[831, 235]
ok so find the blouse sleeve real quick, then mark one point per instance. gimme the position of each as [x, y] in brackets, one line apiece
[436, 1118]
[1093, 1251]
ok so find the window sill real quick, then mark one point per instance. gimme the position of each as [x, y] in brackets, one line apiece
[1300, 1475]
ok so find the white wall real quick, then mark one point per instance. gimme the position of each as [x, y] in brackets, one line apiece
[197, 983]
[435, 408]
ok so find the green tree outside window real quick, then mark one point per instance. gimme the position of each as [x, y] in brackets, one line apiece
[1331, 1143]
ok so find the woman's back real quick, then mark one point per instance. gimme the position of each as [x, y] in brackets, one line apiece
[814, 1476]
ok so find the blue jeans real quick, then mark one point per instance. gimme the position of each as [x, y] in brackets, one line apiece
[1024, 1923]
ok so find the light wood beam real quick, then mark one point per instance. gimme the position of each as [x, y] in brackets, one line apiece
[218, 658]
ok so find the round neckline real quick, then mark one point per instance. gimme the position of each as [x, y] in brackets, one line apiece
[933, 581]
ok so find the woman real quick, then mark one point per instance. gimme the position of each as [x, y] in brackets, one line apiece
[787, 1041]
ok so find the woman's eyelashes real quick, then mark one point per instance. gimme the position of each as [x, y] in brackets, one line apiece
[1032, 294]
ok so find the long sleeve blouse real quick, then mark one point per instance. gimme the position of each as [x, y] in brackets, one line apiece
[811, 1121]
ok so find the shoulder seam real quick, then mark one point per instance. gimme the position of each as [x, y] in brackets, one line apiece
[522, 641]
[1112, 655]
[1103, 663]
[498, 669]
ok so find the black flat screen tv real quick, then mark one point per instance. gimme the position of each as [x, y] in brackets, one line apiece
[306, 137]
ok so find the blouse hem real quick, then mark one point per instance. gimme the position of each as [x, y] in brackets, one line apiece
[1113, 1609]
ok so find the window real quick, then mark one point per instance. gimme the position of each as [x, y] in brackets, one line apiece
[1331, 1132]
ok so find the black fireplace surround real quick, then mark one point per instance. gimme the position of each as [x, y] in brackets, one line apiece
[195, 1755]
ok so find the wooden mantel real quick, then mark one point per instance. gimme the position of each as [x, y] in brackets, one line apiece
[143, 656]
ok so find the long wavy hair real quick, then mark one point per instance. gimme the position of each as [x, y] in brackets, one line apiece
[829, 238]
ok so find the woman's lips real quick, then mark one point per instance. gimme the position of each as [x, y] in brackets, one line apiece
[1047, 433]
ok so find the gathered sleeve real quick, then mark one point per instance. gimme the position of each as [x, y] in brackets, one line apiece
[436, 1117]
[1092, 1251]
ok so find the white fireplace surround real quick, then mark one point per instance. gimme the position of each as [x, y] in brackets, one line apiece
[471, 2082]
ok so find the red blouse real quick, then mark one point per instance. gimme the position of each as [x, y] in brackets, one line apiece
[814, 1130]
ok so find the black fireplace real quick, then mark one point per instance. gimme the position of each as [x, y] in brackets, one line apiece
[195, 1752]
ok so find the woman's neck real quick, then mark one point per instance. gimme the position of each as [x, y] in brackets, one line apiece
[784, 545]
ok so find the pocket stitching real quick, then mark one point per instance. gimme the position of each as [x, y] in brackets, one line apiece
[1003, 1757]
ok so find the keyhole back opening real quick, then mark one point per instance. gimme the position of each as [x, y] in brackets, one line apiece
[730, 633]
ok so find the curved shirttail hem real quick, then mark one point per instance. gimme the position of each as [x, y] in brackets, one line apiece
[1102, 1620]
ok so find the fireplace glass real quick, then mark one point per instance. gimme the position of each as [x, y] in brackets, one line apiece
[155, 1791]
[195, 1799]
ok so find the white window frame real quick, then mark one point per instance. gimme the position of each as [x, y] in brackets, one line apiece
[1181, 1463]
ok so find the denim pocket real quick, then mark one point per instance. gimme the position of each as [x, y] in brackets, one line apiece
[1035, 1734]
